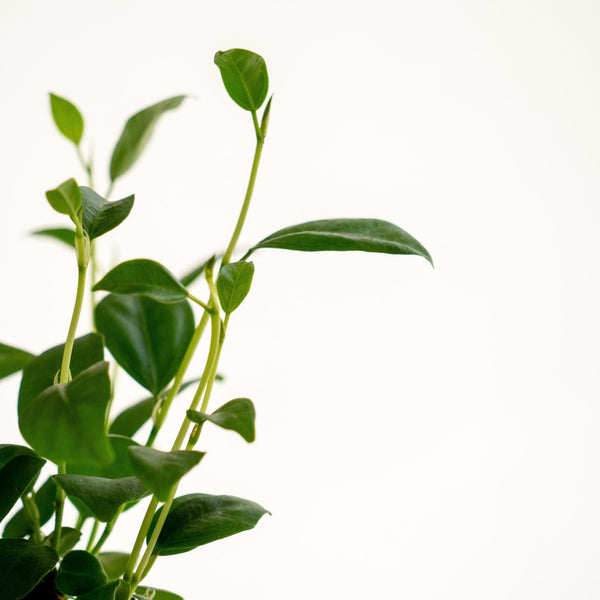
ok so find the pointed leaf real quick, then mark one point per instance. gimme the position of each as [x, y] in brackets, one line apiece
[79, 572]
[160, 471]
[366, 235]
[118, 467]
[20, 525]
[156, 594]
[99, 215]
[68, 539]
[237, 415]
[233, 284]
[145, 277]
[198, 519]
[136, 134]
[67, 117]
[245, 77]
[12, 360]
[66, 198]
[62, 234]
[113, 563]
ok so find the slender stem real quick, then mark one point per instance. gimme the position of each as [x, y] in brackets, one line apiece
[60, 504]
[107, 530]
[144, 527]
[109, 190]
[80, 521]
[199, 302]
[33, 514]
[93, 533]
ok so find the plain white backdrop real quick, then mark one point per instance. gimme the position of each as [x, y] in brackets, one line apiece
[422, 434]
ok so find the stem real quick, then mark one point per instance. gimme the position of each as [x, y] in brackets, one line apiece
[80, 521]
[106, 532]
[93, 532]
[33, 514]
[144, 527]
[60, 504]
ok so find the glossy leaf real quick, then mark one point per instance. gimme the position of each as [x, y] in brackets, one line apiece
[118, 467]
[102, 496]
[233, 284]
[366, 235]
[19, 525]
[19, 467]
[12, 360]
[237, 415]
[67, 118]
[99, 215]
[67, 419]
[198, 519]
[79, 572]
[147, 338]
[68, 539]
[136, 134]
[155, 594]
[143, 277]
[113, 563]
[160, 471]
[245, 77]
[66, 198]
[62, 234]
[22, 565]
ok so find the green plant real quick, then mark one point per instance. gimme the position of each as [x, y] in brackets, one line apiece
[148, 324]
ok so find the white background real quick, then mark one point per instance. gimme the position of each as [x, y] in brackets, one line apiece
[422, 434]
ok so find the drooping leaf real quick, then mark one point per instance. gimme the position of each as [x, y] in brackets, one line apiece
[233, 284]
[68, 539]
[160, 471]
[102, 496]
[67, 419]
[144, 277]
[99, 215]
[19, 525]
[67, 117]
[19, 467]
[196, 272]
[12, 360]
[136, 134]
[197, 519]
[366, 235]
[22, 565]
[147, 338]
[155, 594]
[66, 198]
[245, 77]
[113, 563]
[62, 234]
[79, 572]
[237, 415]
[118, 467]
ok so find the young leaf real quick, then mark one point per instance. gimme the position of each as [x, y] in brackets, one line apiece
[12, 360]
[160, 471]
[79, 572]
[99, 215]
[102, 496]
[198, 519]
[20, 525]
[245, 77]
[233, 284]
[366, 235]
[118, 467]
[113, 563]
[147, 338]
[145, 277]
[67, 419]
[67, 117]
[156, 594]
[237, 415]
[22, 565]
[136, 134]
[62, 234]
[66, 198]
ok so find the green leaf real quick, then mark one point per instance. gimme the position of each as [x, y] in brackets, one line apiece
[114, 590]
[22, 565]
[136, 134]
[198, 519]
[99, 215]
[233, 284]
[62, 234]
[66, 198]
[67, 117]
[160, 471]
[12, 360]
[102, 496]
[245, 77]
[113, 563]
[68, 419]
[237, 415]
[39, 372]
[19, 525]
[147, 338]
[118, 467]
[68, 539]
[145, 277]
[19, 468]
[366, 235]
[80, 572]
[156, 594]
[196, 272]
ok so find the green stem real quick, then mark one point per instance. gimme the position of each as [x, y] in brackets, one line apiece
[93, 533]
[66, 359]
[144, 527]
[107, 530]
[60, 505]
[80, 521]
[33, 514]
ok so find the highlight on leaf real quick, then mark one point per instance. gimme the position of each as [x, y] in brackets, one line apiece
[67, 118]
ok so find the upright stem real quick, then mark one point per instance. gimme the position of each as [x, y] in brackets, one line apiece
[33, 514]
[60, 504]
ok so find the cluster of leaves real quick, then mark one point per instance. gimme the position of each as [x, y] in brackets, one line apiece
[149, 326]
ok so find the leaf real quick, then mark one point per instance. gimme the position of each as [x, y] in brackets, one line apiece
[136, 134]
[102, 496]
[118, 467]
[19, 525]
[68, 539]
[147, 338]
[245, 77]
[144, 277]
[198, 519]
[160, 471]
[196, 272]
[67, 117]
[19, 467]
[79, 572]
[366, 235]
[156, 594]
[68, 419]
[66, 198]
[99, 215]
[113, 563]
[114, 590]
[233, 284]
[237, 415]
[12, 360]
[22, 565]
[62, 234]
